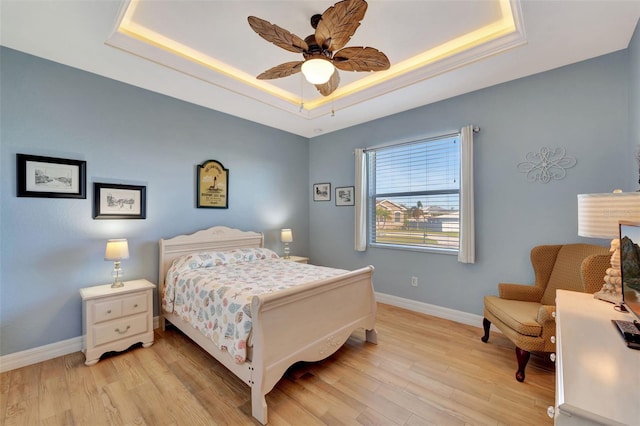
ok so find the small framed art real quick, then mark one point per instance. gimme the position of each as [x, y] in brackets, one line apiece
[113, 201]
[213, 185]
[344, 196]
[321, 192]
[49, 177]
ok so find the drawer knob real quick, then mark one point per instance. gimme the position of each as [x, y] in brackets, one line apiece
[553, 314]
[135, 306]
[551, 412]
[124, 331]
[552, 357]
[109, 311]
[553, 339]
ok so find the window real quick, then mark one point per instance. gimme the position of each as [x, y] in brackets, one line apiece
[413, 195]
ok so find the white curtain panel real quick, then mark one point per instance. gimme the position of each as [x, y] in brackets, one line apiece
[467, 251]
[360, 201]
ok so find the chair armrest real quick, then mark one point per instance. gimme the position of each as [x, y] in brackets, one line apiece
[526, 293]
[548, 322]
[592, 270]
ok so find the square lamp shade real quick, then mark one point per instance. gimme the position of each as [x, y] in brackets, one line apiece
[598, 217]
[117, 249]
[286, 236]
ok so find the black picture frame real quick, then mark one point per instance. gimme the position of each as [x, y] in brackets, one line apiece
[116, 201]
[345, 195]
[50, 177]
[321, 192]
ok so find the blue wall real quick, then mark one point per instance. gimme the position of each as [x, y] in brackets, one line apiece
[583, 108]
[53, 247]
[50, 248]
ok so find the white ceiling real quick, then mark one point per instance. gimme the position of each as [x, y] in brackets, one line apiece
[228, 54]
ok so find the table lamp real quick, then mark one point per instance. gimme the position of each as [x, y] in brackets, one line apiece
[598, 217]
[286, 236]
[117, 250]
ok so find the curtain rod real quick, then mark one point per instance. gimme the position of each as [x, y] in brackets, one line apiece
[476, 129]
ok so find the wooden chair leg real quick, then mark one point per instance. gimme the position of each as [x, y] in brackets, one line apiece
[486, 324]
[523, 359]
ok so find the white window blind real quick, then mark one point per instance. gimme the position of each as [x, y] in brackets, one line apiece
[413, 195]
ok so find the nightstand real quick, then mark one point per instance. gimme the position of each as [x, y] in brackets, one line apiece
[298, 259]
[113, 319]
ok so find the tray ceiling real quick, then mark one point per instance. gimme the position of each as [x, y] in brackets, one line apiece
[204, 52]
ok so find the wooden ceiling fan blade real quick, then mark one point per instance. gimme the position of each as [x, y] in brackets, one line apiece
[339, 23]
[360, 59]
[282, 70]
[330, 86]
[277, 35]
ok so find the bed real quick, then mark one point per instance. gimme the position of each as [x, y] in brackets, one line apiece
[307, 322]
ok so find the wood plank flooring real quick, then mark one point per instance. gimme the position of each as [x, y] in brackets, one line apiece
[424, 371]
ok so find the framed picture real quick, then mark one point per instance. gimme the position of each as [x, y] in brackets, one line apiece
[113, 201]
[321, 192]
[344, 196]
[213, 185]
[49, 177]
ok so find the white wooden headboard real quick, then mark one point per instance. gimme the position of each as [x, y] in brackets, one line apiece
[217, 238]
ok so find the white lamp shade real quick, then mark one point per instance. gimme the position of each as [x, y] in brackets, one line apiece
[599, 214]
[117, 249]
[286, 235]
[317, 71]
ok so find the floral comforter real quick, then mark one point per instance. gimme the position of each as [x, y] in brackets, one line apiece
[213, 290]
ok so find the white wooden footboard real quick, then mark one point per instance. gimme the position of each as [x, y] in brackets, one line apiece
[306, 323]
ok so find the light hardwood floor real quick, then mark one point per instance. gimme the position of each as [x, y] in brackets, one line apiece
[424, 370]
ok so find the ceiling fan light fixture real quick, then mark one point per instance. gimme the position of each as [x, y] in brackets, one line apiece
[317, 71]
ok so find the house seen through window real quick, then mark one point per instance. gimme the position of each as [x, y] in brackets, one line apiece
[414, 195]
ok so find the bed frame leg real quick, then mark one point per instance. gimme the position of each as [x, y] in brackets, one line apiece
[372, 336]
[258, 405]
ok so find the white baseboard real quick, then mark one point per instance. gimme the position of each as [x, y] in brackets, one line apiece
[39, 354]
[65, 347]
[426, 308]
[46, 352]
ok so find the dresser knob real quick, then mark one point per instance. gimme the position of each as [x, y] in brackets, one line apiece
[553, 339]
[124, 331]
[135, 306]
[552, 357]
[553, 314]
[551, 412]
[109, 311]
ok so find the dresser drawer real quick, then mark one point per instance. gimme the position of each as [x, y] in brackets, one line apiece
[134, 304]
[119, 329]
[108, 310]
[117, 308]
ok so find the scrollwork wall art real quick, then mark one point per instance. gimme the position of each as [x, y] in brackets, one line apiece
[546, 165]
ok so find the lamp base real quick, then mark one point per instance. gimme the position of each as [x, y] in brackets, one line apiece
[608, 296]
[117, 284]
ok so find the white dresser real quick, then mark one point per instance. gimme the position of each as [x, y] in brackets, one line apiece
[113, 319]
[597, 376]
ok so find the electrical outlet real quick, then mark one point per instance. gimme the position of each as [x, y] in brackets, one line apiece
[414, 281]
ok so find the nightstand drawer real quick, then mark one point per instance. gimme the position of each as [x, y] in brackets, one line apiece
[134, 304]
[105, 311]
[113, 309]
[118, 329]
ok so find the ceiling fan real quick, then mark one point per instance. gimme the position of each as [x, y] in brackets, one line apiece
[323, 51]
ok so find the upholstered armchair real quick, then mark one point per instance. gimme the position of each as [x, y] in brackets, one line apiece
[526, 313]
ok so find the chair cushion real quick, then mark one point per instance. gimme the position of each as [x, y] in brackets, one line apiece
[519, 316]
